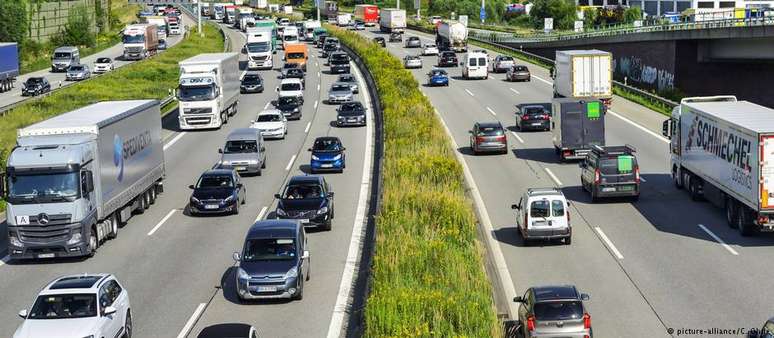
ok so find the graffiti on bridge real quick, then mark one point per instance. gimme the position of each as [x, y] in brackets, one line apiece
[637, 72]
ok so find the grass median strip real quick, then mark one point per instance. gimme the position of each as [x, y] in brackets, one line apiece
[146, 79]
[428, 277]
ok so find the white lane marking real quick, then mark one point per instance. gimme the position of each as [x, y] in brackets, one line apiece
[661, 138]
[643, 180]
[5, 260]
[341, 308]
[290, 164]
[553, 177]
[267, 105]
[489, 77]
[469, 92]
[716, 238]
[514, 90]
[317, 64]
[609, 243]
[175, 139]
[451, 78]
[171, 212]
[492, 242]
[319, 74]
[491, 111]
[517, 136]
[261, 213]
[544, 80]
[318, 86]
[308, 125]
[191, 321]
[315, 104]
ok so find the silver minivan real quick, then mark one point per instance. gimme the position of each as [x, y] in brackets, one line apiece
[244, 151]
[543, 214]
[64, 57]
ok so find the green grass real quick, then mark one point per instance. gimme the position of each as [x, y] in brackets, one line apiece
[428, 277]
[147, 79]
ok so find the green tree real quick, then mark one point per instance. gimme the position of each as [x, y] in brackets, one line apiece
[77, 31]
[13, 20]
[563, 12]
[632, 14]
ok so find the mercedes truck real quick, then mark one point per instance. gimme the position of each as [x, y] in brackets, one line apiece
[208, 90]
[140, 41]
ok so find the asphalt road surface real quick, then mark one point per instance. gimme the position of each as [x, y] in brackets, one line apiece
[648, 265]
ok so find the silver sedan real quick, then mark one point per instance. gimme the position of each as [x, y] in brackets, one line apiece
[412, 61]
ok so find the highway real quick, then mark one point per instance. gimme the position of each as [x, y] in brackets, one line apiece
[178, 269]
[648, 266]
[57, 80]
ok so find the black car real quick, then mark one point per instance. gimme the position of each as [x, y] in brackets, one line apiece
[35, 86]
[329, 47]
[533, 117]
[557, 311]
[217, 191]
[396, 37]
[447, 59]
[290, 106]
[350, 114]
[611, 171]
[339, 63]
[380, 41]
[251, 83]
[321, 39]
[308, 199]
[297, 73]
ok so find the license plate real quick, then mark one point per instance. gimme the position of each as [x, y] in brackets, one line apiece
[46, 255]
[626, 188]
[210, 206]
[303, 220]
[266, 289]
[608, 189]
[537, 124]
[241, 168]
[351, 120]
[326, 165]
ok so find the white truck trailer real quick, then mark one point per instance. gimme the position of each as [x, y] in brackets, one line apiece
[583, 74]
[392, 20]
[208, 90]
[75, 178]
[452, 35]
[722, 151]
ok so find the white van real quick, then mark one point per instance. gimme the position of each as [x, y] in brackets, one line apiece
[475, 65]
[543, 214]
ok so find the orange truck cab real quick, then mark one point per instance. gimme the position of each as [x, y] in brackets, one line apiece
[296, 53]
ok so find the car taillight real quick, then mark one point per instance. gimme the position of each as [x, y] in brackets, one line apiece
[531, 323]
[596, 176]
[480, 139]
[586, 321]
[637, 174]
[525, 117]
[546, 117]
[500, 138]
[567, 153]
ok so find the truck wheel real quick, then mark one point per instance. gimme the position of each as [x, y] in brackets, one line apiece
[113, 227]
[743, 221]
[693, 188]
[676, 179]
[93, 242]
[152, 195]
[731, 211]
[224, 117]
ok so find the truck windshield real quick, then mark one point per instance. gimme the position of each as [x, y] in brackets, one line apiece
[196, 93]
[43, 187]
[134, 38]
[64, 306]
[258, 47]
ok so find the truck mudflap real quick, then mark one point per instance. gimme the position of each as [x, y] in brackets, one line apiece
[607, 102]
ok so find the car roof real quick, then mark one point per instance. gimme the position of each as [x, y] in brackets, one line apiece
[242, 134]
[328, 138]
[225, 330]
[339, 83]
[290, 80]
[614, 150]
[305, 179]
[274, 228]
[218, 172]
[270, 112]
[555, 292]
[76, 283]
[534, 192]
[490, 125]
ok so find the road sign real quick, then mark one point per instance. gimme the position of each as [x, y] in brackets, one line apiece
[578, 26]
[482, 14]
[417, 4]
[548, 24]
[464, 20]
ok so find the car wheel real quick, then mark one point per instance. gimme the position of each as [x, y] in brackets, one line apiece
[327, 225]
[568, 240]
[594, 197]
[128, 324]
[300, 293]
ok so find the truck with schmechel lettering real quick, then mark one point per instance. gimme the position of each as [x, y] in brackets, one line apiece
[722, 151]
[73, 180]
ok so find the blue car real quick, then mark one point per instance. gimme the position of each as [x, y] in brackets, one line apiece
[438, 77]
[327, 155]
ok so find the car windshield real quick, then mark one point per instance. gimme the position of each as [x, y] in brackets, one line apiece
[241, 146]
[346, 78]
[303, 191]
[134, 38]
[290, 86]
[215, 181]
[295, 72]
[62, 55]
[196, 93]
[290, 65]
[285, 100]
[330, 46]
[103, 60]
[617, 165]
[251, 79]
[290, 37]
[258, 47]
[64, 306]
[558, 310]
[490, 131]
[35, 80]
[438, 72]
[506, 58]
[269, 118]
[340, 87]
[351, 106]
[533, 111]
[76, 68]
[44, 187]
[295, 55]
[540, 208]
[327, 145]
[269, 249]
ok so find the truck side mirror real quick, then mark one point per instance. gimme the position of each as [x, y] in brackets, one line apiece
[87, 182]
[220, 151]
[515, 206]
[666, 130]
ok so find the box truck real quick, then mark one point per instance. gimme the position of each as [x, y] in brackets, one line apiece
[392, 20]
[584, 74]
[208, 90]
[260, 4]
[9, 65]
[309, 27]
[720, 151]
[576, 126]
[74, 179]
[162, 27]
[259, 49]
[451, 35]
[140, 41]
[369, 14]
[343, 19]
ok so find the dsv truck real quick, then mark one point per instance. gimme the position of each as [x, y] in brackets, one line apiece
[722, 150]
[74, 179]
[208, 90]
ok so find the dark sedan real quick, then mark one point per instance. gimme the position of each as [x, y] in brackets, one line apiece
[396, 37]
[217, 191]
[380, 41]
[251, 83]
[350, 114]
[296, 73]
[533, 117]
[308, 199]
[447, 59]
[35, 86]
[488, 137]
[290, 106]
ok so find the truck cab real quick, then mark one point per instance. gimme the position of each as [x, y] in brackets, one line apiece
[208, 90]
[259, 50]
[64, 57]
[138, 44]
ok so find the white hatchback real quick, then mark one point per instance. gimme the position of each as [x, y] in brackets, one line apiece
[430, 49]
[543, 214]
[272, 124]
[291, 87]
[86, 305]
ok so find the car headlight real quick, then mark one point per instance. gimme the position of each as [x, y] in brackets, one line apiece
[252, 161]
[295, 110]
[280, 212]
[195, 200]
[228, 199]
[242, 274]
[75, 239]
[323, 210]
[89, 336]
[14, 241]
[337, 157]
[292, 273]
[314, 157]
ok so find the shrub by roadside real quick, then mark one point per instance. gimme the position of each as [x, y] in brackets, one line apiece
[428, 277]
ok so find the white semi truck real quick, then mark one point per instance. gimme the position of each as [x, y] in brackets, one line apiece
[259, 48]
[140, 41]
[582, 74]
[208, 90]
[74, 179]
[452, 35]
[722, 151]
[392, 20]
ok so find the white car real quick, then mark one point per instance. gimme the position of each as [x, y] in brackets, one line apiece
[103, 65]
[77, 306]
[272, 124]
[430, 49]
[291, 87]
[412, 61]
[543, 214]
